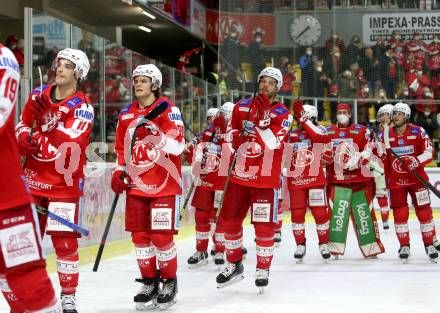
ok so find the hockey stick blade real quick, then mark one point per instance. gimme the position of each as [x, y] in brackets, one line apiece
[427, 184]
[159, 109]
[59, 219]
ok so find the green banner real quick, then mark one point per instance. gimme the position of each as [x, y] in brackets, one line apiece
[339, 220]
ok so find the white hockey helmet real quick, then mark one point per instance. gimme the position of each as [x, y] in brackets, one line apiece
[149, 70]
[310, 111]
[226, 110]
[211, 112]
[402, 107]
[385, 109]
[274, 73]
[77, 57]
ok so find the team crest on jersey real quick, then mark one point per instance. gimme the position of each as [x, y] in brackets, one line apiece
[47, 152]
[251, 149]
[397, 165]
[144, 155]
[342, 134]
[286, 123]
[400, 142]
[73, 102]
[302, 158]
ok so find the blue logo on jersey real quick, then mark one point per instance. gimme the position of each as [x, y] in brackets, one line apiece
[244, 102]
[414, 131]
[83, 114]
[9, 62]
[38, 89]
[301, 137]
[81, 184]
[73, 102]
[280, 110]
[401, 142]
[175, 116]
[342, 134]
[126, 109]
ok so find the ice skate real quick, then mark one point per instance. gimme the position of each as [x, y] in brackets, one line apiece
[68, 303]
[231, 274]
[404, 253]
[167, 293]
[436, 244]
[244, 251]
[432, 253]
[219, 259]
[261, 279]
[198, 259]
[145, 300]
[300, 252]
[277, 239]
[325, 252]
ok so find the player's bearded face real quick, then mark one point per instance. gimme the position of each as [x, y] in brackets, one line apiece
[65, 75]
[143, 86]
[268, 85]
[399, 118]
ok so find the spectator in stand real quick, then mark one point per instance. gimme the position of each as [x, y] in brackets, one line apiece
[363, 103]
[427, 119]
[320, 84]
[427, 101]
[232, 49]
[306, 62]
[390, 73]
[417, 48]
[288, 79]
[434, 55]
[435, 83]
[11, 42]
[354, 53]
[396, 40]
[19, 52]
[417, 81]
[257, 53]
[335, 41]
[360, 77]
[372, 70]
[333, 95]
[347, 85]
[335, 64]
[379, 48]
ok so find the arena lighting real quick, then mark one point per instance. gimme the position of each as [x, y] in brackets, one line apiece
[149, 15]
[145, 29]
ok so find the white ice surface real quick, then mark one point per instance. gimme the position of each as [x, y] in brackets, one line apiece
[350, 284]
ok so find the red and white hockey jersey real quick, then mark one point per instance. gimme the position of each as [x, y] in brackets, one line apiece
[259, 159]
[56, 170]
[14, 191]
[355, 138]
[414, 143]
[155, 170]
[303, 153]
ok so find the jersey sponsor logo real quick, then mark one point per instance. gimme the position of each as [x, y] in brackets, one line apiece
[342, 134]
[411, 137]
[414, 131]
[403, 150]
[285, 123]
[63, 109]
[127, 116]
[161, 218]
[10, 63]
[361, 210]
[337, 141]
[301, 145]
[354, 132]
[302, 158]
[280, 110]
[339, 216]
[400, 142]
[301, 137]
[175, 116]
[84, 115]
[125, 109]
[73, 102]
[244, 102]
[40, 89]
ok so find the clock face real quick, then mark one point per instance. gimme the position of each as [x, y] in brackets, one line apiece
[305, 30]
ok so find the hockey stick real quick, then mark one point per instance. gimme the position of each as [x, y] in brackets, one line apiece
[427, 184]
[234, 159]
[59, 219]
[159, 109]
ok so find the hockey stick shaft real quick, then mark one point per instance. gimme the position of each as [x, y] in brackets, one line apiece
[59, 219]
[426, 183]
[160, 108]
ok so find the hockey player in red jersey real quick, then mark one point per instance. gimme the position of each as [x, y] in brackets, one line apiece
[61, 119]
[255, 177]
[207, 161]
[349, 181]
[153, 185]
[306, 180]
[23, 278]
[412, 144]
[384, 116]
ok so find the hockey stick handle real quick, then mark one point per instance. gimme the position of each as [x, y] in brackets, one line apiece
[427, 184]
[59, 219]
[160, 108]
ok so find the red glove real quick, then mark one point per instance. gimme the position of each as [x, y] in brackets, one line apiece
[410, 164]
[27, 145]
[151, 131]
[262, 105]
[298, 110]
[40, 105]
[118, 184]
[220, 125]
[238, 140]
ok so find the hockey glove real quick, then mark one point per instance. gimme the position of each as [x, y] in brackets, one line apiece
[28, 146]
[262, 105]
[298, 111]
[40, 105]
[152, 134]
[118, 184]
[410, 164]
[220, 125]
